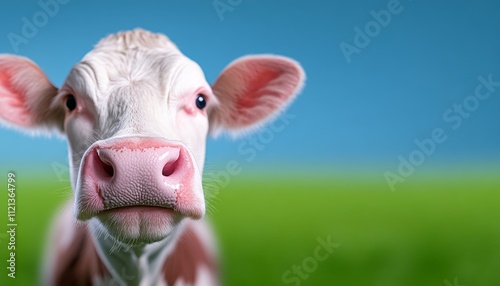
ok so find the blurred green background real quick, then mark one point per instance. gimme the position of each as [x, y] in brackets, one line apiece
[436, 229]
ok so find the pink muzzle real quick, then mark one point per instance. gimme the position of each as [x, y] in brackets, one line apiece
[138, 171]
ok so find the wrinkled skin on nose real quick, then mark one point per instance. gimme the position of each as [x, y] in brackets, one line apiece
[140, 187]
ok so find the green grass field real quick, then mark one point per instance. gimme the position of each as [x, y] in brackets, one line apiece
[431, 231]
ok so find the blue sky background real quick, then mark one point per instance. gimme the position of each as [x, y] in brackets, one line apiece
[362, 114]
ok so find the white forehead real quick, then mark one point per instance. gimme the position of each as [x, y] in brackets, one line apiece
[135, 58]
[132, 78]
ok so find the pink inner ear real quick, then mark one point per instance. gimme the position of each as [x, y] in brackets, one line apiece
[254, 87]
[12, 104]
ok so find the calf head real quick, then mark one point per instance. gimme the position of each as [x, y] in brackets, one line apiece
[136, 113]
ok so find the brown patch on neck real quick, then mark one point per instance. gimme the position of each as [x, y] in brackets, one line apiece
[188, 256]
[79, 264]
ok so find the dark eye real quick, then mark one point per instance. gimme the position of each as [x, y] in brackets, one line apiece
[201, 101]
[70, 102]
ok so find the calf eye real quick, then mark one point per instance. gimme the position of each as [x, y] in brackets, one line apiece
[70, 102]
[201, 101]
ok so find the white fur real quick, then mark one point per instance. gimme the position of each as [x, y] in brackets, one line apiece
[139, 84]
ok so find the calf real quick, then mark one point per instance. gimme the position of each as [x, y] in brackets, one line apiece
[136, 113]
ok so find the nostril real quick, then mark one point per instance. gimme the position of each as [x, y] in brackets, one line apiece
[108, 168]
[169, 168]
[104, 165]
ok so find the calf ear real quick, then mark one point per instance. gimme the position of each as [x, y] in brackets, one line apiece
[252, 90]
[26, 96]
